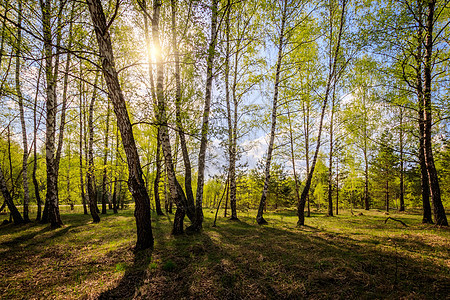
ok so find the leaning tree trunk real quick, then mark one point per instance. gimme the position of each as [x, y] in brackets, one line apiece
[91, 169]
[331, 80]
[9, 200]
[259, 217]
[435, 191]
[26, 193]
[51, 201]
[135, 180]
[205, 123]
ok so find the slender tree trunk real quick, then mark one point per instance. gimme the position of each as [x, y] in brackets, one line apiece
[387, 195]
[331, 80]
[135, 181]
[68, 178]
[35, 127]
[91, 168]
[176, 193]
[306, 111]
[62, 122]
[330, 167]
[259, 217]
[423, 168]
[234, 133]
[178, 99]
[51, 106]
[105, 161]
[115, 203]
[9, 200]
[232, 161]
[198, 220]
[337, 187]
[366, 158]
[11, 177]
[26, 193]
[148, 41]
[291, 142]
[83, 196]
[435, 191]
[227, 196]
[157, 177]
[402, 187]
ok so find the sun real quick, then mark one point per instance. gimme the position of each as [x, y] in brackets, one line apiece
[153, 50]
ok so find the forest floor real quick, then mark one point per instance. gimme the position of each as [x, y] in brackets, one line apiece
[342, 257]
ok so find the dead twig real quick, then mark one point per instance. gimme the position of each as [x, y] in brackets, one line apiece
[397, 220]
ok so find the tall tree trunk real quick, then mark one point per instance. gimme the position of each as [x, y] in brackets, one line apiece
[83, 195]
[337, 187]
[148, 40]
[68, 178]
[115, 204]
[178, 99]
[26, 193]
[62, 122]
[291, 142]
[402, 187]
[135, 181]
[176, 193]
[51, 106]
[105, 161]
[426, 218]
[259, 217]
[306, 111]
[435, 191]
[232, 127]
[9, 200]
[91, 168]
[366, 158]
[35, 127]
[198, 220]
[157, 177]
[331, 81]
[387, 195]
[330, 166]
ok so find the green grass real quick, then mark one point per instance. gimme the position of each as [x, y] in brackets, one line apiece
[347, 256]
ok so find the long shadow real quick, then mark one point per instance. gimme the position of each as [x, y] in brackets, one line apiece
[238, 260]
[46, 228]
[133, 278]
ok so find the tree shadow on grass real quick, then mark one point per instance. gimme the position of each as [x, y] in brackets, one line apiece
[133, 278]
[238, 260]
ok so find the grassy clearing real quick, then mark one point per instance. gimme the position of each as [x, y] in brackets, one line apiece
[333, 257]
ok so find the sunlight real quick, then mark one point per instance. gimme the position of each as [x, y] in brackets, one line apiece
[154, 52]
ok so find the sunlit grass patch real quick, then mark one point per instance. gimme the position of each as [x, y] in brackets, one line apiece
[347, 256]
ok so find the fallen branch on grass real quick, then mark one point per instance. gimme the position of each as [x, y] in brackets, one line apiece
[397, 220]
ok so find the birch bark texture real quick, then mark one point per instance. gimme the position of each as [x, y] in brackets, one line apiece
[136, 183]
